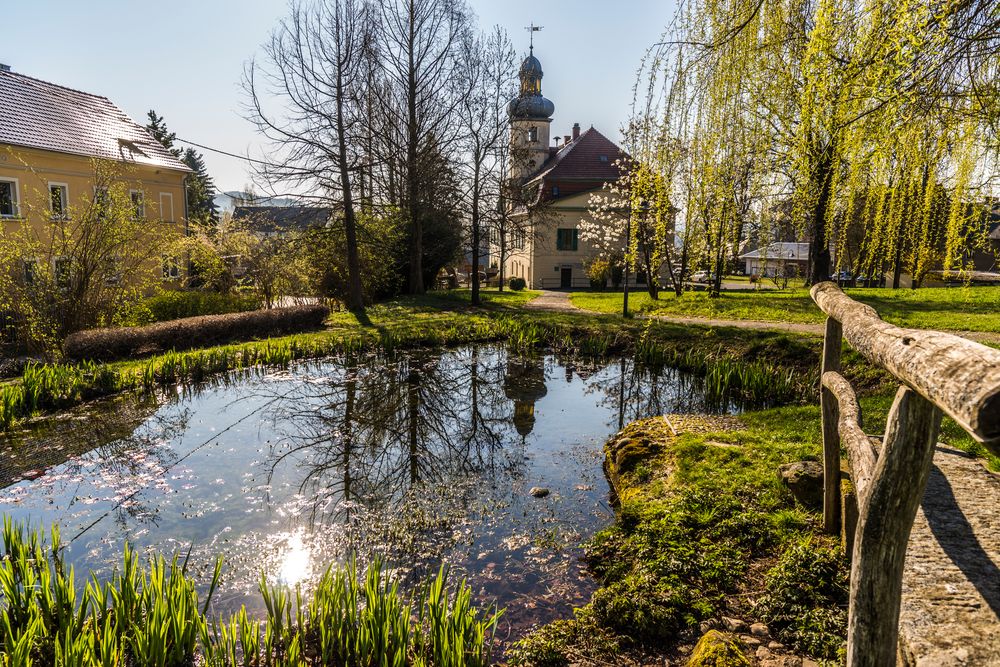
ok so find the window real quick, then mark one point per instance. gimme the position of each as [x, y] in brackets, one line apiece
[517, 238]
[171, 268]
[101, 199]
[555, 190]
[166, 207]
[602, 158]
[30, 271]
[62, 270]
[138, 206]
[58, 200]
[532, 134]
[8, 198]
[567, 239]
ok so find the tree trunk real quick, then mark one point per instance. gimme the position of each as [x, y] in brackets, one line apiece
[355, 297]
[475, 231]
[413, 175]
[819, 249]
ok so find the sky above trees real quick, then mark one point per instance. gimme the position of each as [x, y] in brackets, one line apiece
[186, 59]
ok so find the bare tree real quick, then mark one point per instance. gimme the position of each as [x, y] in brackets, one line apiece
[489, 71]
[419, 58]
[315, 68]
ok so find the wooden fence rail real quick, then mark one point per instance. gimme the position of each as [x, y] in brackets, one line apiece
[939, 374]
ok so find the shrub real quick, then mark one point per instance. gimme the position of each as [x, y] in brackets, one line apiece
[598, 271]
[124, 342]
[805, 603]
[517, 284]
[175, 305]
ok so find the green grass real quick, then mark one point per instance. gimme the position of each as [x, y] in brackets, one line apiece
[730, 360]
[151, 614]
[958, 308]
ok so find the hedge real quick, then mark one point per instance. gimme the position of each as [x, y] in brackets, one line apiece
[174, 305]
[190, 332]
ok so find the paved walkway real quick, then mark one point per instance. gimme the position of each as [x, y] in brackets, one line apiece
[950, 612]
[553, 301]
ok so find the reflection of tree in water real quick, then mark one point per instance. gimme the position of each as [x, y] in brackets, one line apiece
[636, 390]
[131, 458]
[400, 451]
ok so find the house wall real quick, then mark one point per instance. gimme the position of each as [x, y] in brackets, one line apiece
[541, 263]
[34, 170]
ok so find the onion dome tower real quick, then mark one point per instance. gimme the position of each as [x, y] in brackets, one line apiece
[524, 383]
[530, 118]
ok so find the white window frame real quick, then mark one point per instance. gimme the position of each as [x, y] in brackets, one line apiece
[139, 212]
[65, 204]
[169, 197]
[17, 197]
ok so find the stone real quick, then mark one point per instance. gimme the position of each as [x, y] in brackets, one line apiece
[763, 653]
[750, 641]
[808, 662]
[775, 646]
[758, 630]
[538, 491]
[733, 624]
[805, 480]
[718, 649]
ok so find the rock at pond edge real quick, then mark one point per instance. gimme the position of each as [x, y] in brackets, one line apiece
[538, 491]
[805, 480]
[717, 649]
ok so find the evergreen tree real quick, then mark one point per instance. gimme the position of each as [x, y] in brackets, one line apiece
[200, 187]
[158, 128]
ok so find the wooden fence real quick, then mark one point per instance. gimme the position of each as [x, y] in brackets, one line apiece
[939, 374]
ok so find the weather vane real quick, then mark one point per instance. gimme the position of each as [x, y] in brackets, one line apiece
[532, 29]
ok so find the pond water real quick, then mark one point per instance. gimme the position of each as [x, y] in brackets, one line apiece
[423, 458]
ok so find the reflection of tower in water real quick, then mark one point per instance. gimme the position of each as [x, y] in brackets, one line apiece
[524, 383]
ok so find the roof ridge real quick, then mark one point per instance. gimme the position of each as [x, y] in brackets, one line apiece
[55, 85]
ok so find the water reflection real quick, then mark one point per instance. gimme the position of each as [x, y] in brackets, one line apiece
[423, 459]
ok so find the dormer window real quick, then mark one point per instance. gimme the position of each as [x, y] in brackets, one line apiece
[533, 134]
[603, 158]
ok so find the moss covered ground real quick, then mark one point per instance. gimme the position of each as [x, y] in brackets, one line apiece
[705, 530]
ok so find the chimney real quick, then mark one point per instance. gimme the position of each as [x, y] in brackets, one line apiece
[4, 68]
[576, 131]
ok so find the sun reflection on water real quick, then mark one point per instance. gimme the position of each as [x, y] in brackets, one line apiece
[295, 564]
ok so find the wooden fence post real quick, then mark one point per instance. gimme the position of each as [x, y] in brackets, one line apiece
[831, 432]
[887, 510]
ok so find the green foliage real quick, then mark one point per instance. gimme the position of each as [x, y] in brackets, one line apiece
[517, 284]
[805, 604]
[153, 616]
[598, 272]
[176, 304]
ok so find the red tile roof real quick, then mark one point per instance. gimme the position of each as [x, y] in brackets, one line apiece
[592, 157]
[38, 114]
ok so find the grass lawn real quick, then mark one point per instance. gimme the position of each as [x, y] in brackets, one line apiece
[955, 308]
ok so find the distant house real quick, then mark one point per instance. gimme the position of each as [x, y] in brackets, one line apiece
[780, 259]
[268, 221]
[49, 137]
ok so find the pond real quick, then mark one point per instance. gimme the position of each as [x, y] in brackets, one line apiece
[423, 458]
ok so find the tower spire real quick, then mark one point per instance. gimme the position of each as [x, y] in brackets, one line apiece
[532, 29]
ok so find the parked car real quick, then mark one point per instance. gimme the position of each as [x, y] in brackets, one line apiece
[701, 277]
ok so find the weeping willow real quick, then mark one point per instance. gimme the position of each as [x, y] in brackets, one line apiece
[866, 125]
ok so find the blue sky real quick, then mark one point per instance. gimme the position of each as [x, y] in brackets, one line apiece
[185, 58]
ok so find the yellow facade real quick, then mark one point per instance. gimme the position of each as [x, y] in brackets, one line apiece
[34, 174]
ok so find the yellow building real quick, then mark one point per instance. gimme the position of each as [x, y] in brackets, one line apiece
[547, 251]
[50, 137]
